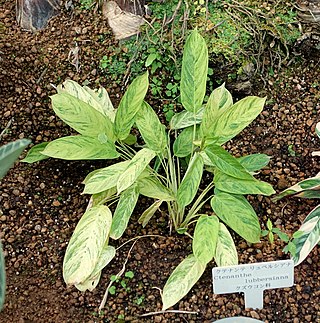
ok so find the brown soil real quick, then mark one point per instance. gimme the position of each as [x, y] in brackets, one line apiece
[41, 204]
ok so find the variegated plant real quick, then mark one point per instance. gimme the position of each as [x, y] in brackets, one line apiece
[308, 236]
[8, 155]
[154, 170]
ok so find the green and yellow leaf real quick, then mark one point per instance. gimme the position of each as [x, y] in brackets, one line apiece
[149, 212]
[9, 153]
[151, 186]
[127, 202]
[105, 178]
[82, 117]
[205, 238]
[238, 214]
[226, 252]
[254, 162]
[185, 275]
[226, 163]
[129, 106]
[219, 101]
[182, 146]
[233, 185]
[136, 166]
[191, 181]
[80, 148]
[186, 119]
[98, 99]
[310, 238]
[194, 72]
[103, 197]
[303, 189]
[86, 244]
[107, 254]
[233, 120]
[35, 153]
[151, 129]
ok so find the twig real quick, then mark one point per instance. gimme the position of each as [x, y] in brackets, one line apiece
[41, 75]
[169, 311]
[6, 128]
[120, 273]
[139, 237]
[174, 13]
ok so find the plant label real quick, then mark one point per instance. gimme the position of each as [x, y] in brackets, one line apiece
[253, 279]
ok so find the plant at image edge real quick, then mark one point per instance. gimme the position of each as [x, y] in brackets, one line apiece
[155, 171]
[308, 236]
[8, 155]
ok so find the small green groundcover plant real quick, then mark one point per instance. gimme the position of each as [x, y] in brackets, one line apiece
[8, 154]
[154, 169]
[308, 236]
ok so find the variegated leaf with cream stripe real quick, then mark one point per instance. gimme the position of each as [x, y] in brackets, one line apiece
[86, 244]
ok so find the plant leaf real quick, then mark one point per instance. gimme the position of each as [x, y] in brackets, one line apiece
[185, 119]
[98, 99]
[191, 181]
[9, 153]
[238, 214]
[136, 166]
[107, 254]
[254, 162]
[127, 202]
[302, 189]
[149, 212]
[318, 129]
[185, 275]
[233, 120]
[230, 184]
[130, 105]
[205, 238]
[182, 146]
[226, 163]
[80, 148]
[194, 72]
[86, 244]
[2, 277]
[219, 101]
[151, 186]
[226, 252]
[151, 129]
[310, 237]
[82, 117]
[35, 153]
[103, 197]
[104, 178]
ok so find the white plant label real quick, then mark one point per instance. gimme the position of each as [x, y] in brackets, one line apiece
[253, 279]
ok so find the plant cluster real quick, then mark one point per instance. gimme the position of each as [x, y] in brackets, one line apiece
[154, 168]
[8, 155]
[308, 236]
[237, 34]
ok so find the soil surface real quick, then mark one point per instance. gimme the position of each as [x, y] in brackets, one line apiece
[41, 204]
